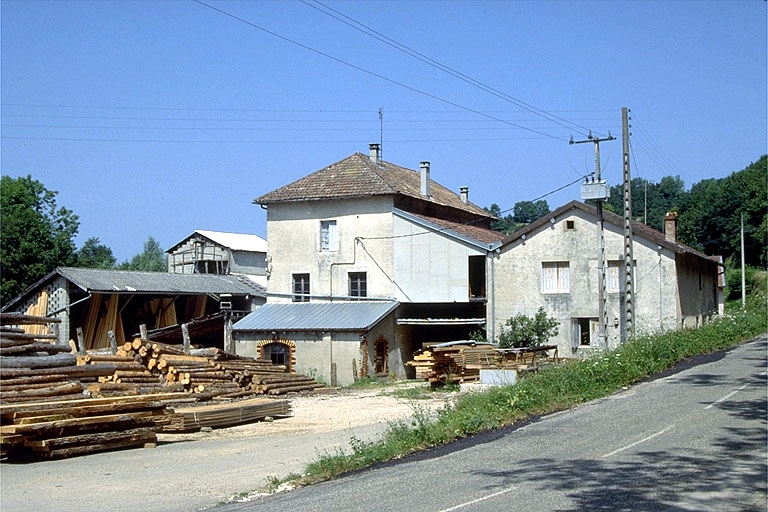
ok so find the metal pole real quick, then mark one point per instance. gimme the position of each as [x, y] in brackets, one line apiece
[743, 277]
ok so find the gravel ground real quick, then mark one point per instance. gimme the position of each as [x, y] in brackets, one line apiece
[196, 471]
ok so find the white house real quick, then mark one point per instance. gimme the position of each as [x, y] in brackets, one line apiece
[365, 230]
[553, 263]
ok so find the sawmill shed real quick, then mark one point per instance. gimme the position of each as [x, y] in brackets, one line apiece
[93, 302]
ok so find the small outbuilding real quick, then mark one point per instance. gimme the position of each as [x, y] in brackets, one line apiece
[335, 342]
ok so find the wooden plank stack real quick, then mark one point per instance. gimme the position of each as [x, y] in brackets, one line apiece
[193, 418]
[462, 362]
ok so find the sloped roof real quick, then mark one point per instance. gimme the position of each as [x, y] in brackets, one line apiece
[234, 241]
[161, 283]
[463, 229]
[358, 176]
[356, 316]
[638, 229]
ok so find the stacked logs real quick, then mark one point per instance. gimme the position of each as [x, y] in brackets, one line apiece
[207, 372]
[44, 406]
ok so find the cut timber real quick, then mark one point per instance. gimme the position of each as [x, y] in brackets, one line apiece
[226, 415]
[63, 389]
[22, 319]
[34, 362]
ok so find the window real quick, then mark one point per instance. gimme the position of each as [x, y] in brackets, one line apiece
[358, 284]
[584, 332]
[278, 353]
[614, 276]
[570, 225]
[555, 277]
[329, 239]
[300, 287]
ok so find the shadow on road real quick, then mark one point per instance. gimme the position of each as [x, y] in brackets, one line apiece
[700, 479]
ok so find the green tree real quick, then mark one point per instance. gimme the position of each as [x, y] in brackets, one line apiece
[36, 236]
[94, 254]
[526, 212]
[152, 259]
[524, 331]
[712, 220]
[650, 201]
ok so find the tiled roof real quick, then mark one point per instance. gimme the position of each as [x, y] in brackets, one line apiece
[638, 229]
[359, 176]
[321, 316]
[466, 229]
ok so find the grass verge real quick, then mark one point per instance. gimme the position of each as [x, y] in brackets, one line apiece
[548, 391]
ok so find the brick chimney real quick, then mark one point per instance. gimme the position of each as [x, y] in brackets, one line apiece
[464, 193]
[670, 226]
[375, 152]
[424, 178]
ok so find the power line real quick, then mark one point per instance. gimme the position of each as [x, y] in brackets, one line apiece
[361, 27]
[371, 73]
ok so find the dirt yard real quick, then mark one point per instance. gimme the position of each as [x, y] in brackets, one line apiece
[331, 410]
[196, 471]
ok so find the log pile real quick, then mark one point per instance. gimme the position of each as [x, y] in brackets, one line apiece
[44, 406]
[66, 428]
[214, 372]
[57, 403]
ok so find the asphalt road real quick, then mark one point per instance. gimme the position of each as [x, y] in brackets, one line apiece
[695, 439]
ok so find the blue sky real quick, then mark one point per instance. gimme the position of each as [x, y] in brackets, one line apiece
[159, 118]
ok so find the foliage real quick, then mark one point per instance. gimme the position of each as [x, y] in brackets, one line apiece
[524, 212]
[36, 237]
[667, 195]
[524, 331]
[529, 211]
[94, 254]
[545, 392]
[152, 259]
[712, 221]
[754, 281]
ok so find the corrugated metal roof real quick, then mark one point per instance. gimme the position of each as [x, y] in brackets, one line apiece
[128, 281]
[310, 316]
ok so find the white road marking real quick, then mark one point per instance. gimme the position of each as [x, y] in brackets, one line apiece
[614, 452]
[726, 397]
[478, 500]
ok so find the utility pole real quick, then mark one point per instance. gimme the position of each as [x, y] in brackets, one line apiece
[628, 311]
[598, 190]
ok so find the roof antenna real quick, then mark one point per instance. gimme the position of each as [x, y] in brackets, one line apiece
[381, 134]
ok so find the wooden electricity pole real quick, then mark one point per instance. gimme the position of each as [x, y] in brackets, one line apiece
[599, 191]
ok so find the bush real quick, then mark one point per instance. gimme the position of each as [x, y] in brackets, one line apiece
[524, 331]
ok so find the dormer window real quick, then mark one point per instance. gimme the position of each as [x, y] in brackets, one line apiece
[329, 238]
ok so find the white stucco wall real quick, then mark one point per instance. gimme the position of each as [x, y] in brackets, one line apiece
[293, 234]
[430, 266]
[518, 279]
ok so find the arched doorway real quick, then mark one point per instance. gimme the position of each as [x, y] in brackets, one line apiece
[381, 356]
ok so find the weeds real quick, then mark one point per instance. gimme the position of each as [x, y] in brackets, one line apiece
[548, 391]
